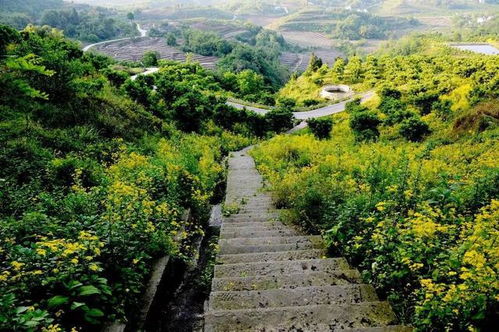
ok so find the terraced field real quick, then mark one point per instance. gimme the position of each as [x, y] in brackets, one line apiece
[134, 50]
[307, 38]
[224, 29]
[299, 61]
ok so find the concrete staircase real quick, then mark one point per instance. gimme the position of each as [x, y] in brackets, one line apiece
[271, 277]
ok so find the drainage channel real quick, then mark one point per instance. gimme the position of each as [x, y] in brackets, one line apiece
[179, 303]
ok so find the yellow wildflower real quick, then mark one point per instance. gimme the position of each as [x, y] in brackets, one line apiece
[16, 265]
[381, 206]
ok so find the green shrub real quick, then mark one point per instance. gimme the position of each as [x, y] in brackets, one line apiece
[364, 125]
[414, 129]
[310, 102]
[321, 127]
[279, 119]
[150, 59]
[284, 102]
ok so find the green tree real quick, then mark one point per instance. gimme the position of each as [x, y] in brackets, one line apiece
[414, 129]
[279, 119]
[150, 58]
[249, 82]
[353, 70]
[321, 127]
[130, 16]
[171, 40]
[364, 125]
[314, 63]
[338, 69]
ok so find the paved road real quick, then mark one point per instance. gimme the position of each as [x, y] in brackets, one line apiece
[317, 113]
[262, 111]
[143, 33]
[148, 71]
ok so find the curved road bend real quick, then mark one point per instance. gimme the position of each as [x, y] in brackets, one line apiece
[317, 113]
[143, 33]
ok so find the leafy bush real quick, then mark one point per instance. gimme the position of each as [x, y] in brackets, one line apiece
[364, 125]
[310, 102]
[321, 127]
[150, 59]
[414, 129]
[279, 119]
[395, 110]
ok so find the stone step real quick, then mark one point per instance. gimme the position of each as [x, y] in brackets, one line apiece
[249, 233]
[272, 298]
[280, 267]
[257, 213]
[247, 249]
[256, 225]
[256, 203]
[271, 256]
[271, 240]
[244, 213]
[303, 318]
[254, 215]
[391, 328]
[260, 199]
[292, 280]
[267, 208]
[235, 219]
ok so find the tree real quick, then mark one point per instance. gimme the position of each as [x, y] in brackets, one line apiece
[130, 16]
[443, 109]
[171, 40]
[414, 129]
[190, 111]
[372, 70]
[286, 102]
[425, 100]
[338, 69]
[279, 119]
[353, 70]
[314, 63]
[249, 82]
[150, 58]
[389, 92]
[364, 124]
[321, 127]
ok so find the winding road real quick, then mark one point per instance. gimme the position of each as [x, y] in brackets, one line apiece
[317, 113]
[143, 33]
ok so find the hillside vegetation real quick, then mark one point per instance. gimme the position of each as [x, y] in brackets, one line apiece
[407, 186]
[96, 171]
[344, 24]
[81, 22]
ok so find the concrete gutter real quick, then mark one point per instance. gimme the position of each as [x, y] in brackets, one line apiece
[158, 270]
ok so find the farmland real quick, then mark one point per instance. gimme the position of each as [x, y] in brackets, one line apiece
[133, 50]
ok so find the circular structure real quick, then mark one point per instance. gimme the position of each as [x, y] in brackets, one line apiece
[335, 92]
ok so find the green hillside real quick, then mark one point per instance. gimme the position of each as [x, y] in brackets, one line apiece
[407, 186]
[96, 171]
